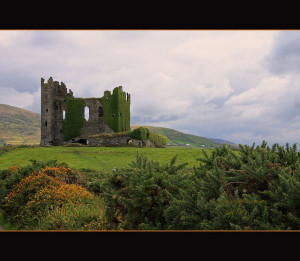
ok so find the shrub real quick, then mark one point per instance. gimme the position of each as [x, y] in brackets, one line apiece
[163, 140]
[66, 174]
[136, 197]
[15, 203]
[12, 176]
[153, 137]
[140, 133]
[35, 194]
[257, 190]
[51, 197]
[73, 217]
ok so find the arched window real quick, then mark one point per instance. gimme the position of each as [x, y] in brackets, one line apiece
[86, 113]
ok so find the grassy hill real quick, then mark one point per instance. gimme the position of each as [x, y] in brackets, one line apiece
[19, 126]
[176, 137]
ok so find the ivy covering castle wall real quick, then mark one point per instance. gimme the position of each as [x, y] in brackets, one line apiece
[74, 120]
[116, 109]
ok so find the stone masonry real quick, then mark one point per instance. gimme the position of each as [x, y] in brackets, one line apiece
[53, 109]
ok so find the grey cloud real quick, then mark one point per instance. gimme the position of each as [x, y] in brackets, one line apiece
[285, 54]
[44, 38]
[161, 82]
[20, 80]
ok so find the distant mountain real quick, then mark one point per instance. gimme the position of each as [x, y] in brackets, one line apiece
[176, 137]
[19, 126]
[222, 141]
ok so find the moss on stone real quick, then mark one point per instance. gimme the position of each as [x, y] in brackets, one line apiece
[116, 110]
[74, 120]
[114, 134]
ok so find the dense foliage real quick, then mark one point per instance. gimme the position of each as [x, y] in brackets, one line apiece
[258, 189]
[140, 133]
[254, 188]
[35, 198]
[143, 133]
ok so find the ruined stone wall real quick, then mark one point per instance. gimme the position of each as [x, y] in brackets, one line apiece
[95, 123]
[106, 115]
[116, 141]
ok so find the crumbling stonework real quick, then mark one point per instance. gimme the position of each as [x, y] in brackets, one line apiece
[57, 116]
[115, 141]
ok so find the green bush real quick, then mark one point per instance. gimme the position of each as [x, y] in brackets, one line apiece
[140, 133]
[73, 217]
[254, 188]
[257, 190]
[153, 137]
[136, 197]
[143, 134]
[163, 140]
[158, 140]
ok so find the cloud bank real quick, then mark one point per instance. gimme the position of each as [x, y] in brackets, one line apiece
[237, 85]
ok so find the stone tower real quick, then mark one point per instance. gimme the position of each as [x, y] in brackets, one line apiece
[53, 100]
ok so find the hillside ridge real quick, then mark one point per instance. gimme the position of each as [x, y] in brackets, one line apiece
[21, 126]
[178, 138]
[18, 126]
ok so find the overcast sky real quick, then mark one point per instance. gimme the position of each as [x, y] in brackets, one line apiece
[238, 85]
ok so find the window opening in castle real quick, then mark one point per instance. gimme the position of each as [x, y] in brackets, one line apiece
[101, 112]
[45, 123]
[46, 110]
[64, 114]
[86, 113]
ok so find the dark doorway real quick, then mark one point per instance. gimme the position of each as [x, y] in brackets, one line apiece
[82, 141]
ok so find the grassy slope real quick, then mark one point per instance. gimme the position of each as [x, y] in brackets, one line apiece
[97, 158]
[175, 136]
[18, 126]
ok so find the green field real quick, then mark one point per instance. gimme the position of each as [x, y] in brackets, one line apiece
[97, 158]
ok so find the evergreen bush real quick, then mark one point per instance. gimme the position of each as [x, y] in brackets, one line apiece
[257, 190]
[254, 188]
[136, 197]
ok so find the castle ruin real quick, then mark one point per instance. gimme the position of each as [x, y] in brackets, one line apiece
[63, 116]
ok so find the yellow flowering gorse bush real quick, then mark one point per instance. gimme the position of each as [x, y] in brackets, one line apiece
[46, 189]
